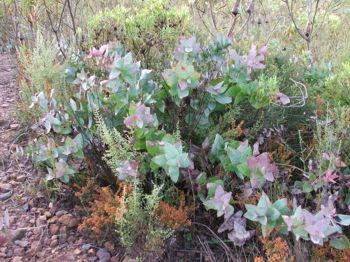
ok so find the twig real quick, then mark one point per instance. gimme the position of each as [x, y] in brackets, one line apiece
[72, 17]
[55, 31]
[235, 13]
[212, 14]
[225, 247]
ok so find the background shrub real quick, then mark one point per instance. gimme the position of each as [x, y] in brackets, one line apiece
[149, 29]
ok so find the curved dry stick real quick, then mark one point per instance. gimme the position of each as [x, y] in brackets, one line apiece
[301, 100]
[226, 248]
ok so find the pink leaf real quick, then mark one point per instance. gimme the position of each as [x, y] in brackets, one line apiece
[282, 98]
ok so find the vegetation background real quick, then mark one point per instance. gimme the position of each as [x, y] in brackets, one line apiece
[183, 125]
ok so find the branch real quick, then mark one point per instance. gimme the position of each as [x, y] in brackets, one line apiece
[235, 13]
[55, 31]
[291, 15]
[72, 17]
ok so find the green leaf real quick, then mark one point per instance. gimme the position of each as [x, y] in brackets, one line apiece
[343, 220]
[222, 99]
[340, 243]
[174, 173]
[307, 188]
[281, 205]
[217, 145]
[159, 160]
[170, 151]
[242, 171]
[73, 105]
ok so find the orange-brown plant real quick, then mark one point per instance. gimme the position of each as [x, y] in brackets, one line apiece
[104, 210]
[173, 217]
[276, 250]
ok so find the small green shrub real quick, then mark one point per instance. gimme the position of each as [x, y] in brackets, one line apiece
[41, 71]
[337, 85]
[139, 225]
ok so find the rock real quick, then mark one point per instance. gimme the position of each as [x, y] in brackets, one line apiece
[109, 246]
[40, 210]
[47, 214]
[77, 252]
[17, 234]
[54, 243]
[68, 220]
[37, 231]
[19, 251]
[5, 187]
[17, 259]
[35, 246]
[21, 178]
[5, 196]
[86, 247]
[63, 230]
[41, 254]
[41, 221]
[21, 243]
[47, 242]
[54, 228]
[60, 213]
[54, 237]
[103, 255]
[53, 220]
[9, 253]
[115, 259]
[14, 126]
[80, 241]
[71, 239]
[25, 207]
[91, 252]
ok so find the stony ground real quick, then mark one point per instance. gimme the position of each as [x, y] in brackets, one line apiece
[32, 227]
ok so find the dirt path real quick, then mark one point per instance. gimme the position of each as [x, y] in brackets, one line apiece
[31, 227]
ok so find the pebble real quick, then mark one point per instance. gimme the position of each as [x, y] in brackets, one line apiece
[21, 178]
[91, 252]
[17, 234]
[54, 243]
[60, 213]
[53, 220]
[17, 259]
[77, 252]
[103, 255]
[47, 214]
[71, 239]
[19, 251]
[68, 220]
[54, 228]
[86, 247]
[109, 246]
[21, 243]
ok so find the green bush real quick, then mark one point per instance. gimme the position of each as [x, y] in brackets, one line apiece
[338, 85]
[149, 29]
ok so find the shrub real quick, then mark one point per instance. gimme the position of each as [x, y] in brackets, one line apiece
[149, 29]
[158, 132]
[338, 84]
[139, 225]
[104, 210]
[40, 72]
